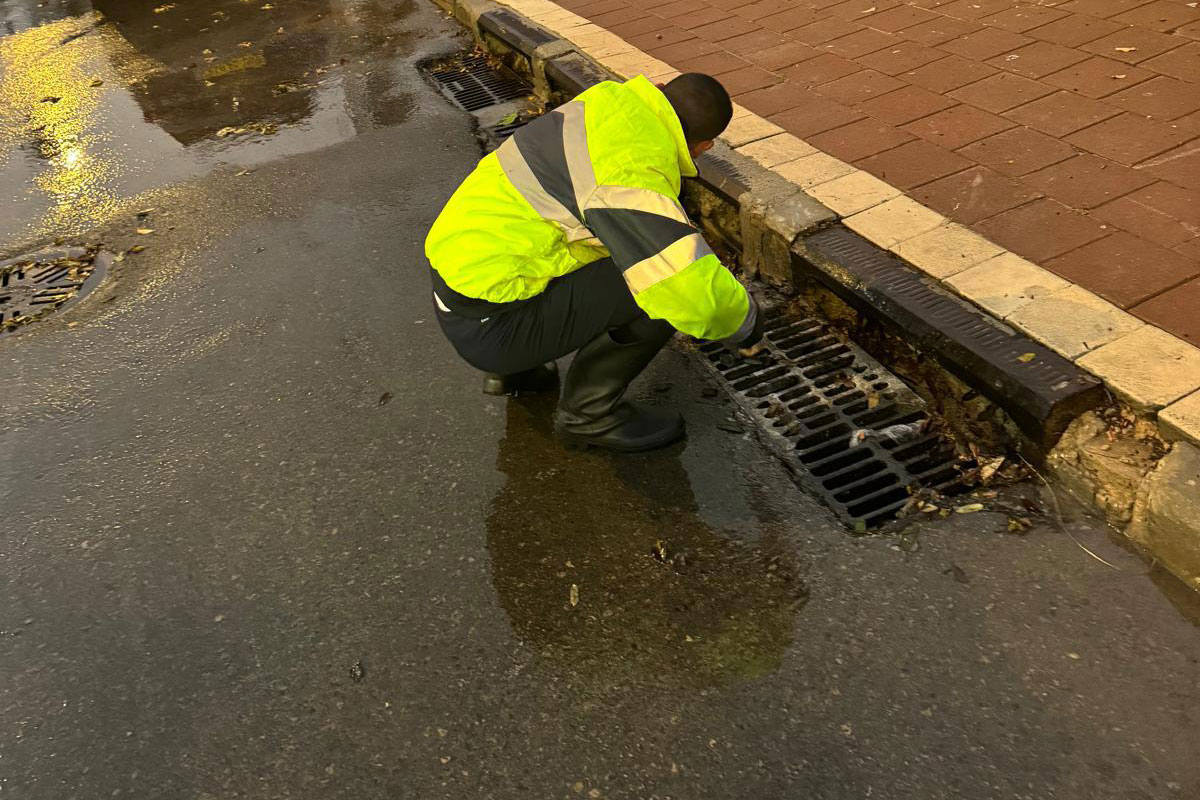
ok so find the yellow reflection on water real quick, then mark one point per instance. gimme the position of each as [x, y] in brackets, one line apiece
[49, 99]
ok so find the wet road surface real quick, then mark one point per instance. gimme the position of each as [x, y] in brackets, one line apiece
[262, 537]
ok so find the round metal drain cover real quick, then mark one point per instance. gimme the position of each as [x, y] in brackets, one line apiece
[36, 285]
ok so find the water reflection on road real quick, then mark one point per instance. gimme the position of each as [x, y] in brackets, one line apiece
[103, 102]
[661, 597]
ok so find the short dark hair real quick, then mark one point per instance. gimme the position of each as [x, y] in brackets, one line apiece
[702, 104]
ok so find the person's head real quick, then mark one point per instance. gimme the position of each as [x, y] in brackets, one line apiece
[703, 107]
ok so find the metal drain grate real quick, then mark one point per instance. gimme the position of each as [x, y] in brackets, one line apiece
[1040, 389]
[36, 285]
[474, 83]
[808, 392]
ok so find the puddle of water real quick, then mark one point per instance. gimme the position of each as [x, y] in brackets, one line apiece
[103, 101]
[660, 596]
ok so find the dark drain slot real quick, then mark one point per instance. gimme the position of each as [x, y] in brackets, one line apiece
[866, 470]
[501, 132]
[825, 407]
[894, 499]
[866, 486]
[756, 379]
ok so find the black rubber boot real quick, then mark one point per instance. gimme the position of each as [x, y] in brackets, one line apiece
[592, 413]
[538, 379]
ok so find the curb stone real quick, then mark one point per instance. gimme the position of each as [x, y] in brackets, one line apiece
[1167, 513]
[828, 194]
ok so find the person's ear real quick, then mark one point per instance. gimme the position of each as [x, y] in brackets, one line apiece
[699, 148]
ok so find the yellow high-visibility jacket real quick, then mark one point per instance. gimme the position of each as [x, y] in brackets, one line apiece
[597, 176]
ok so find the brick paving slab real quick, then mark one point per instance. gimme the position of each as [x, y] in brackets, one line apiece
[1068, 132]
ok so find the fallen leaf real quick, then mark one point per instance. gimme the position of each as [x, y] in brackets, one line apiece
[573, 595]
[958, 572]
[206, 52]
[145, 231]
[96, 82]
[969, 508]
[1019, 524]
[1125, 49]
[660, 551]
[137, 248]
[1025, 358]
[145, 212]
[243, 172]
[51, 99]
[245, 44]
[989, 468]
[266, 6]
[357, 673]
[508, 119]
[164, 8]
[118, 258]
[867, 10]
[753, 350]
[1118, 77]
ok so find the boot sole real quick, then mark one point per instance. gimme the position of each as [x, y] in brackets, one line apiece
[583, 443]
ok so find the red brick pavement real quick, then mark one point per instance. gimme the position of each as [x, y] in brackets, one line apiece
[1067, 131]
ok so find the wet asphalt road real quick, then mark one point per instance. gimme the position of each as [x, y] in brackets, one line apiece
[262, 538]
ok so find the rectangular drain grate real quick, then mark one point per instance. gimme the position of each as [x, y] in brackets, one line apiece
[474, 83]
[1040, 389]
[808, 392]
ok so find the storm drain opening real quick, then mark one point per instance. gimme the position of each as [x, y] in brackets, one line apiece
[474, 82]
[499, 99]
[36, 285]
[850, 432]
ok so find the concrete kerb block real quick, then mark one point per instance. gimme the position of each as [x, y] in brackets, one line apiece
[1100, 471]
[1166, 517]
[468, 13]
[1146, 383]
[774, 214]
[540, 57]
[1181, 419]
[573, 72]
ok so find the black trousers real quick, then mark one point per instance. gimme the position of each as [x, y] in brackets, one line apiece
[572, 311]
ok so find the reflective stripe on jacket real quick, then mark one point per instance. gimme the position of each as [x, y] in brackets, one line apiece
[598, 176]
